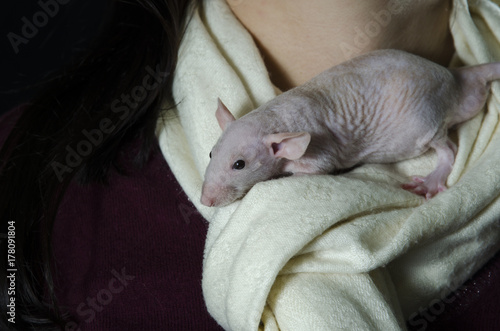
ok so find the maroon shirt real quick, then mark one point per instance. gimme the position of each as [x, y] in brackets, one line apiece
[128, 256]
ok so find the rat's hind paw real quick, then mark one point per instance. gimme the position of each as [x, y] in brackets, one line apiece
[425, 186]
[434, 183]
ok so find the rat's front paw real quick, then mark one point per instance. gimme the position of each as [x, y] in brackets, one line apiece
[425, 186]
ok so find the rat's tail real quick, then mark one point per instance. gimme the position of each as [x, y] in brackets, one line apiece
[475, 84]
[487, 72]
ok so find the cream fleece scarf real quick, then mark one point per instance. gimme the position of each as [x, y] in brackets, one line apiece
[353, 251]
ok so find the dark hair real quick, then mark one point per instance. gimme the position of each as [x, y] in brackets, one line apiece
[141, 38]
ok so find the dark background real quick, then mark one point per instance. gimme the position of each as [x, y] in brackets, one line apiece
[60, 39]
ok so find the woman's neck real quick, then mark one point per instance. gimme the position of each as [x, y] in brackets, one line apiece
[299, 39]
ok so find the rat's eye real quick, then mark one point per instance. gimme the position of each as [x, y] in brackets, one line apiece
[238, 165]
[210, 154]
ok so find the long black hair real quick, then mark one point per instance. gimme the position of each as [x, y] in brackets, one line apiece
[72, 130]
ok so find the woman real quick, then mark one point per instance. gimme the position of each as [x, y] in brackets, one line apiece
[93, 135]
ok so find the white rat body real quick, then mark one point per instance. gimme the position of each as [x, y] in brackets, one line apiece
[381, 107]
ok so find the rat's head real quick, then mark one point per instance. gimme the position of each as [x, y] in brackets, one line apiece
[245, 155]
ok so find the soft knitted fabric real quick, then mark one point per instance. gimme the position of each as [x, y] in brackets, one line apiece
[331, 252]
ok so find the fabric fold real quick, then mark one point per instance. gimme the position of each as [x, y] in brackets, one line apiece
[352, 251]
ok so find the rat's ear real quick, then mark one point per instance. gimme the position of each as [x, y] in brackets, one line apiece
[288, 145]
[223, 115]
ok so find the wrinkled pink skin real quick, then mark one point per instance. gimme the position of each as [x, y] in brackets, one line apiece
[381, 107]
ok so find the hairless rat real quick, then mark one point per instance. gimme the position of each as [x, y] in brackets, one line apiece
[380, 107]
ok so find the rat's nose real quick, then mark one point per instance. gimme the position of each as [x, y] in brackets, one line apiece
[207, 201]
[209, 195]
